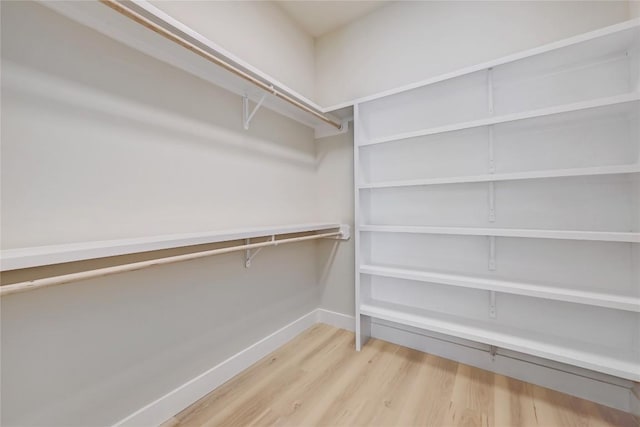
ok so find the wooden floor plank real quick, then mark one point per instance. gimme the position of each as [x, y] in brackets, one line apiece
[431, 397]
[231, 395]
[319, 380]
[300, 395]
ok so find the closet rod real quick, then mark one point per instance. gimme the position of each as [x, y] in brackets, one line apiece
[118, 7]
[83, 275]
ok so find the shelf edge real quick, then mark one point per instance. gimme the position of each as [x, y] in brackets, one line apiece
[625, 370]
[600, 236]
[511, 117]
[536, 291]
[510, 176]
[12, 259]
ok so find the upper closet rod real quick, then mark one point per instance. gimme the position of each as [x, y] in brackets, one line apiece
[84, 275]
[118, 7]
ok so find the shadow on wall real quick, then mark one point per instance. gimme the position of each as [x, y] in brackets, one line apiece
[118, 83]
[68, 98]
[336, 270]
[100, 141]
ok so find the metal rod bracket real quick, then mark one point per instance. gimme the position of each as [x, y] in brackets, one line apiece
[249, 256]
[345, 232]
[246, 116]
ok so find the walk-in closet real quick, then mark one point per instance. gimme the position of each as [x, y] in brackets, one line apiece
[319, 213]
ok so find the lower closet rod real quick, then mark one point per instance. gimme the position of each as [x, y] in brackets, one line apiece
[83, 275]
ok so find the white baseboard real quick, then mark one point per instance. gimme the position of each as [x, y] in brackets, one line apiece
[634, 403]
[614, 393]
[160, 410]
[604, 389]
[336, 319]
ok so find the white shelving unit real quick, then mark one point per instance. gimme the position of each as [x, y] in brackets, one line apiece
[501, 203]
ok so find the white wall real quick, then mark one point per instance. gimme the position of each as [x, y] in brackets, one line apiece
[634, 8]
[258, 32]
[99, 142]
[98, 134]
[406, 41]
[336, 263]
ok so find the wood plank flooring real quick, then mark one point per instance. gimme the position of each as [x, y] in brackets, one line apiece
[318, 379]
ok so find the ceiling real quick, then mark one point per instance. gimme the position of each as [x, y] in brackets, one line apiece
[320, 17]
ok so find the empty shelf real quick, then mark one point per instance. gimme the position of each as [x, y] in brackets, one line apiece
[617, 36]
[618, 363]
[512, 176]
[524, 115]
[600, 299]
[602, 236]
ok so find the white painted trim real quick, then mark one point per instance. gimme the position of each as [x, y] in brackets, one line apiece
[634, 400]
[603, 389]
[634, 405]
[160, 410]
[339, 320]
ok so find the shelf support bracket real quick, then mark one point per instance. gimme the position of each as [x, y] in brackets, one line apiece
[492, 304]
[249, 256]
[492, 185]
[246, 116]
[492, 201]
[492, 253]
[492, 163]
[490, 90]
[493, 350]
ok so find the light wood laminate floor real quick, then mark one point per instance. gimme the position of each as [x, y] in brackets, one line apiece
[318, 379]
